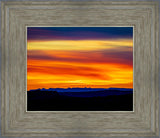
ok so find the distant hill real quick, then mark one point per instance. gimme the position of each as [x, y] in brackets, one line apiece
[81, 89]
[85, 92]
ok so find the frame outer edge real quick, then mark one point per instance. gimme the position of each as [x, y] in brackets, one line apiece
[72, 2]
[2, 69]
[157, 68]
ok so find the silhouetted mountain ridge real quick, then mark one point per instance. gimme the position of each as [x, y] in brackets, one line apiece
[80, 92]
[81, 89]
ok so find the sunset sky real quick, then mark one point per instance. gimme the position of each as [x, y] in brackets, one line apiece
[96, 57]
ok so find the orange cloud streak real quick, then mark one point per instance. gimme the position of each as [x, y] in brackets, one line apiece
[53, 68]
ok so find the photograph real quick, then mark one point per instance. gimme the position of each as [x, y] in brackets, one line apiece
[80, 68]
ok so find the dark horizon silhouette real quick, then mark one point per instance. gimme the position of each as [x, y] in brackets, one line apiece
[80, 99]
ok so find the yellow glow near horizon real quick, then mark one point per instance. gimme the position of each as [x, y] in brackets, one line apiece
[76, 45]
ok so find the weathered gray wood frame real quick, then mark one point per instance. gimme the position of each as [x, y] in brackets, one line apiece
[142, 15]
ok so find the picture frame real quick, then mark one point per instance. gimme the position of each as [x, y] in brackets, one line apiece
[143, 16]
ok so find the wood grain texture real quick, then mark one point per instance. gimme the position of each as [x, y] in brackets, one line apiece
[142, 122]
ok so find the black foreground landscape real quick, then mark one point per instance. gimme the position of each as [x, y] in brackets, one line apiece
[80, 99]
